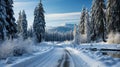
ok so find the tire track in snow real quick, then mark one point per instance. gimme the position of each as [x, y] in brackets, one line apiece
[41, 59]
[60, 61]
[58, 57]
[52, 60]
[78, 61]
[65, 60]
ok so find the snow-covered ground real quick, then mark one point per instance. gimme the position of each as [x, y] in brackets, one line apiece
[66, 55]
[26, 58]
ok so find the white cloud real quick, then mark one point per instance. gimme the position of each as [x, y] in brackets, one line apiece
[23, 4]
[62, 18]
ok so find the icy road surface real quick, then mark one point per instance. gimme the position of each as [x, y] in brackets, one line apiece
[58, 57]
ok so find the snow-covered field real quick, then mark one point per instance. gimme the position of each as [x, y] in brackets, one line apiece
[65, 55]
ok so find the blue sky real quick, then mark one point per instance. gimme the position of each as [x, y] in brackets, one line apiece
[57, 12]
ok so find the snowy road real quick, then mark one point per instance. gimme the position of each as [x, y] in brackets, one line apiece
[58, 57]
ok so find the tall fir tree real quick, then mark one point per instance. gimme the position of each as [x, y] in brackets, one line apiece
[7, 21]
[99, 19]
[39, 23]
[82, 21]
[11, 28]
[2, 18]
[88, 27]
[113, 15]
[93, 34]
[24, 25]
[19, 23]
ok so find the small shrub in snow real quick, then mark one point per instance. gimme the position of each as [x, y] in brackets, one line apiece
[6, 49]
[16, 48]
[114, 38]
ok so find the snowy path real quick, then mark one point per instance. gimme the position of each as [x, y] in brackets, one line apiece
[58, 57]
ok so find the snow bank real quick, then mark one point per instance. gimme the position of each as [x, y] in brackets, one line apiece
[87, 59]
[113, 38]
[100, 58]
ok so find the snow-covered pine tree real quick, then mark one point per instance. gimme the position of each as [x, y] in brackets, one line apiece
[113, 15]
[99, 20]
[76, 35]
[82, 21]
[88, 27]
[11, 28]
[24, 25]
[109, 14]
[39, 23]
[7, 21]
[19, 23]
[2, 18]
[93, 34]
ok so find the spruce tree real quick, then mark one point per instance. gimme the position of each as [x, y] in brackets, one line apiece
[11, 28]
[19, 23]
[7, 21]
[93, 34]
[39, 23]
[113, 15]
[88, 25]
[2, 18]
[82, 21]
[24, 25]
[99, 19]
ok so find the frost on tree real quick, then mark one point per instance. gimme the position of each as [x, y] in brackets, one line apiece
[39, 23]
[2, 19]
[76, 35]
[82, 21]
[19, 23]
[99, 20]
[7, 21]
[113, 15]
[22, 25]
[88, 27]
[11, 28]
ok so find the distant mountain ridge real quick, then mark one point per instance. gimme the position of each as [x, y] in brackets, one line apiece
[62, 29]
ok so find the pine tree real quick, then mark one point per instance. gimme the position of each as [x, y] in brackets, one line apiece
[82, 21]
[24, 25]
[88, 27]
[2, 18]
[93, 34]
[39, 23]
[99, 20]
[11, 28]
[113, 15]
[19, 23]
[7, 21]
